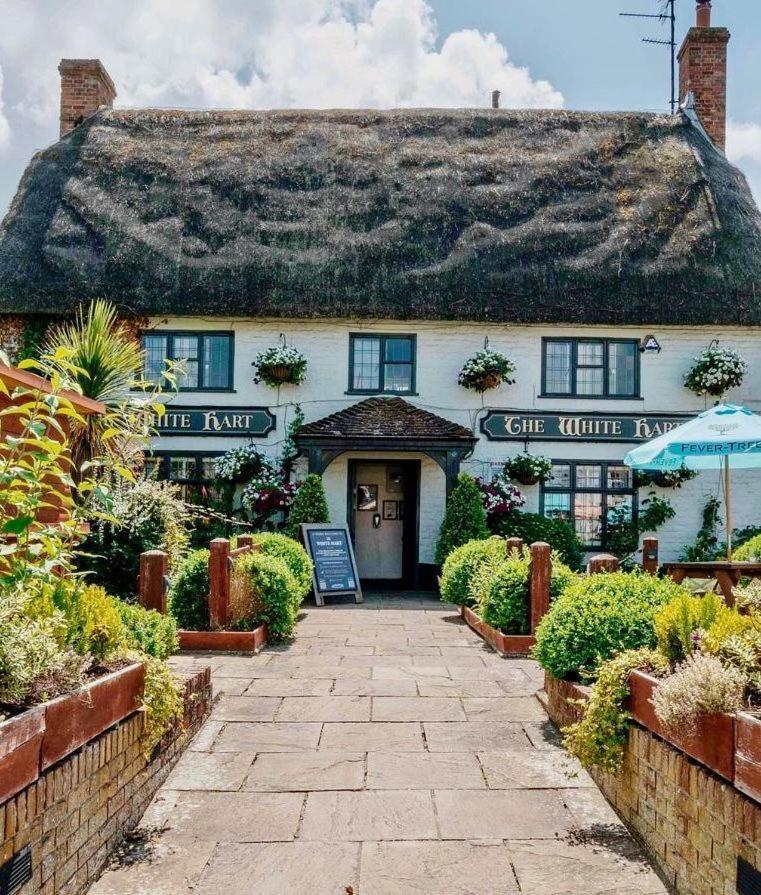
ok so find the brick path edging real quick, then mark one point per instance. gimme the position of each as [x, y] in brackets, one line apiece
[693, 824]
[74, 815]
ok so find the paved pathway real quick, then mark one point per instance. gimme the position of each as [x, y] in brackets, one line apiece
[386, 751]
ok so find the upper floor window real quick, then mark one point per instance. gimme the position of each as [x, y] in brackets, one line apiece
[382, 364]
[207, 358]
[590, 368]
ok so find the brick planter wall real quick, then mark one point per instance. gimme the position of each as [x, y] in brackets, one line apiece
[77, 811]
[693, 824]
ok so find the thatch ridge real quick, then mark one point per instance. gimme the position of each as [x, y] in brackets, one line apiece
[515, 216]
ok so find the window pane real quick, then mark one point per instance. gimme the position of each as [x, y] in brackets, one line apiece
[182, 468]
[399, 349]
[398, 378]
[589, 476]
[217, 362]
[560, 476]
[590, 354]
[589, 380]
[622, 365]
[619, 478]
[207, 468]
[154, 355]
[557, 506]
[620, 501]
[587, 511]
[558, 367]
[366, 364]
[185, 349]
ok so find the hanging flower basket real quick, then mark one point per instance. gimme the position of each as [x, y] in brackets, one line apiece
[672, 478]
[528, 469]
[716, 371]
[487, 369]
[280, 365]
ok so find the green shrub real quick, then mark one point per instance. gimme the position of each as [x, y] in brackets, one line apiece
[189, 593]
[293, 555]
[275, 601]
[162, 703]
[750, 551]
[464, 520]
[533, 527]
[148, 631]
[502, 590]
[677, 624]
[309, 505]
[461, 566]
[599, 616]
[93, 624]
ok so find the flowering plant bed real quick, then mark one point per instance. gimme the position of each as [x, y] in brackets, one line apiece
[504, 644]
[225, 641]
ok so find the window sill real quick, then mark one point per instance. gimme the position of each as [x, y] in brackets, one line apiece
[551, 397]
[193, 391]
[369, 394]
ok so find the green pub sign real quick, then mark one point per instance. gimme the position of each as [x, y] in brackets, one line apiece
[508, 425]
[253, 422]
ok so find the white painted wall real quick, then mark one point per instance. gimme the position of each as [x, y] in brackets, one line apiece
[442, 348]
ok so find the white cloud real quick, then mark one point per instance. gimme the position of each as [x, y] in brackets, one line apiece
[744, 141]
[5, 128]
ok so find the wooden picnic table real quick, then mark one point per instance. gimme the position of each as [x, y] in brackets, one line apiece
[726, 574]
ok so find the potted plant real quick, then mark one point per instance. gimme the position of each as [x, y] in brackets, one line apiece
[528, 469]
[486, 369]
[716, 370]
[664, 478]
[500, 497]
[280, 365]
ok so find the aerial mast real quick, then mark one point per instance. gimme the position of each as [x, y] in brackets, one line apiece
[667, 14]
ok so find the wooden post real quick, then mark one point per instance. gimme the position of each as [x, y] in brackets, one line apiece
[219, 582]
[513, 544]
[245, 540]
[650, 555]
[153, 580]
[541, 574]
[603, 562]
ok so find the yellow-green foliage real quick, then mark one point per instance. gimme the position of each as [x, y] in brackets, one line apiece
[162, 704]
[750, 551]
[677, 623]
[729, 623]
[275, 590]
[598, 739]
[94, 623]
[462, 566]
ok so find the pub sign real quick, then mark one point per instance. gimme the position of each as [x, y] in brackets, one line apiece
[508, 425]
[246, 421]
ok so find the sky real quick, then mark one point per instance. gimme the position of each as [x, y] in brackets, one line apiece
[577, 54]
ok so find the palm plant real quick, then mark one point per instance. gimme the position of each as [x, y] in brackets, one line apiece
[107, 361]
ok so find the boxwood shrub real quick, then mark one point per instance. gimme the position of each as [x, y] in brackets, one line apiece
[502, 590]
[276, 592]
[462, 565]
[189, 592]
[148, 631]
[599, 616]
[532, 527]
[293, 555]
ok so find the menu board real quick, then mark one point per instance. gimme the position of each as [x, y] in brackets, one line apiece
[335, 568]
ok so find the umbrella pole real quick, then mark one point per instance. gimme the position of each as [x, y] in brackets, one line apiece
[728, 505]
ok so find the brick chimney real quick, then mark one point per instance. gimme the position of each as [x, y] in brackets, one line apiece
[703, 72]
[85, 87]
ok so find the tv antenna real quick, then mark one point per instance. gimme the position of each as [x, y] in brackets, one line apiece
[667, 14]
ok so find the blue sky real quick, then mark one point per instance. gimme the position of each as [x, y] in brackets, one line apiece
[273, 53]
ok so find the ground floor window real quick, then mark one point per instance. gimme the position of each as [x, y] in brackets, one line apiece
[193, 472]
[584, 493]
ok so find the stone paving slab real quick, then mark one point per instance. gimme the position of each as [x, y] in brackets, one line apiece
[385, 751]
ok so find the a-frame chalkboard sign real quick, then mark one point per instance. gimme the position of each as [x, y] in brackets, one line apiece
[332, 553]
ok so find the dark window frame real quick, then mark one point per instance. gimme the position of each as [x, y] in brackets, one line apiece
[606, 395]
[572, 489]
[163, 459]
[200, 336]
[381, 390]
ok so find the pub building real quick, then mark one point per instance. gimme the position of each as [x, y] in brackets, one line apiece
[600, 252]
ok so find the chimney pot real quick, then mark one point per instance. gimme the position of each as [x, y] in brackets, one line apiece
[85, 87]
[704, 14]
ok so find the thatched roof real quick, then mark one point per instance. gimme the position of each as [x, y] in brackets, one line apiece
[527, 216]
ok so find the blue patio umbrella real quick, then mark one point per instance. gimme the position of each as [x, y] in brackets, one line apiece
[725, 437]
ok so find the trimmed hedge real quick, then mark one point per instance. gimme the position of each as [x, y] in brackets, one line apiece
[189, 593]
[293, 555]
[148, 631]
[533, 527]
[464, 519]
[463, 564]
[599, 616]
[276, 591]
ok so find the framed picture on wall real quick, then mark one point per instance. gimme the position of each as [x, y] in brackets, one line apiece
[367, 498]
[391, 510]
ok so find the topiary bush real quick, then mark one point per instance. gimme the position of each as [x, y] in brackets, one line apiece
[275, 594]
[532, 527]
[293, 555]
[502, 592]
[462, 565]
[309, 505]
[189, 593]
[598, 616]
[148, 631]
[464, 520]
